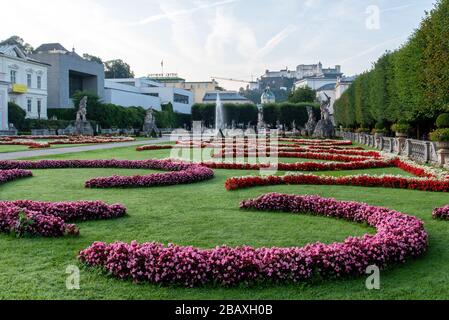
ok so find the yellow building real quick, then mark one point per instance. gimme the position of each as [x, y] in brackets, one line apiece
[198, 88]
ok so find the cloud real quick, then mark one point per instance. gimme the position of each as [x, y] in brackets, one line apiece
[275, 41]
[173, 14]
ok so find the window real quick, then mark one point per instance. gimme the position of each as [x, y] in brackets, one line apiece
[29, 105]
[179, 98]
[39, 82]
[13, 75]
[39, 106]
[29, 80]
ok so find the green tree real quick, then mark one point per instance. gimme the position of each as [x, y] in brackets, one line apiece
[302, 95]
[18, 41]
[16, 115]
[118, 69]
[89, 57]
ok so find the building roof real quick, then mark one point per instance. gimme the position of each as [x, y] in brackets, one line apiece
[47, 47]
[13, 51]
[327, 87]
[224, 96]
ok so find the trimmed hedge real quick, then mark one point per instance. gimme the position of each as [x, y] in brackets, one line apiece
[285, 113]
[410, 84]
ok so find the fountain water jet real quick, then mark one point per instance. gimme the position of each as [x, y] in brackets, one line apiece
[219, 117]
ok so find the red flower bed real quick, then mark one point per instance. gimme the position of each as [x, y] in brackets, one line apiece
[10, 175]
[386, 181]
[398, 238]
[303, 155]
[305, 166]
[49, 219]
[318, 142]
[181, 172]
[156, 147]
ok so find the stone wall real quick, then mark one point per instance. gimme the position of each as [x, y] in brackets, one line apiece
[417, 150]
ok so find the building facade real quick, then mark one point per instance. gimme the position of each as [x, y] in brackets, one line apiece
[147, 93]
[4, 85]
[291, 79]
[198, 88]
[69, 73]
[226, 97]
[26, 81]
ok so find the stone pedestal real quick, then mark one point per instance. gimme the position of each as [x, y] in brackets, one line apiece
[401, 144]
[324, 129]
[443, 157]
[84, 128]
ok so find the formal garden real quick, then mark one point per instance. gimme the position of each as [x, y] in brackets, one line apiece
[142, 226]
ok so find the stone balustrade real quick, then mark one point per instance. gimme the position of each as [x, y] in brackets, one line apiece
[417, 150]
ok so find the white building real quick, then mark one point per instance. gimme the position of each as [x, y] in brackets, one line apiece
[342, 85]
[314, 82]
[147, 93]
[4, 85]
[27, 81]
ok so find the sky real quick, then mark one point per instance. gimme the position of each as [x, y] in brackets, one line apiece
[238, 39]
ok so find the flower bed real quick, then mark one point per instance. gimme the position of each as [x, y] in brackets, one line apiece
[304, 166]
[48, 219]
[181, 172]
[385, 181]
[10, 175]
[441, 213]
[398, 238]
[303, 155]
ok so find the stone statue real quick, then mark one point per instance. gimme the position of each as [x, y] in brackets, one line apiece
[149, 127]
[325, 105]
[149, 116]
[311, 124]
[260, 120]
[82, 126]
[325, 127]
[81, 115]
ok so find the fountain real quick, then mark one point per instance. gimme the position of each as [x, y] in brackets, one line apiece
[219, 117]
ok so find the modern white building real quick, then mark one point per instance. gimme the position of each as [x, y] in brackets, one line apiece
[27, 81]
[146, 93]
[226, 97]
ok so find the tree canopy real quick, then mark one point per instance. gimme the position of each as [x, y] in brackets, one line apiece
[118, 69]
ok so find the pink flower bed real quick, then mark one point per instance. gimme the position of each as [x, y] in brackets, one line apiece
[398, 238]
[14, 174]
[441, 213]
[181, 172]
[48, 219]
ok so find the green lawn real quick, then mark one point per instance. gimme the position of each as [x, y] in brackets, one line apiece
[6, 148]
[206, 215]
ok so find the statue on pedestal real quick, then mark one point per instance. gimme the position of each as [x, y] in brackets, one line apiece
[149, 127]
[311, 123]
[82, 126]
[325, 127]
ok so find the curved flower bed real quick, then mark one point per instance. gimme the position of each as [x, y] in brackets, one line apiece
[441, 213]
[398, 238]
[48, 219]
[10, 175]
[181, 172]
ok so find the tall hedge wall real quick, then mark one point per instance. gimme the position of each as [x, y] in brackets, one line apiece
[284, 112]
[410, 84]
